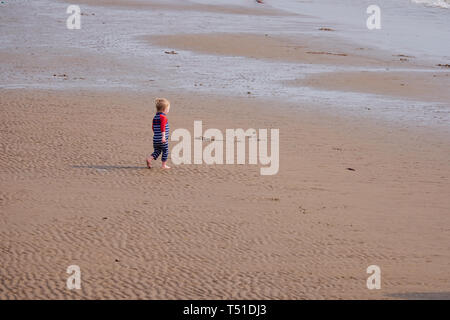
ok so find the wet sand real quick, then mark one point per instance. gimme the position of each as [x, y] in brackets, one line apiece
[425, 86]
[301, 49]
[179, 5]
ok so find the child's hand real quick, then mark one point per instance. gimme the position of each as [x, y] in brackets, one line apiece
[163, 140]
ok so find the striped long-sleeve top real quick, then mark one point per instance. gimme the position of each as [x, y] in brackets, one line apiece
[160, 126]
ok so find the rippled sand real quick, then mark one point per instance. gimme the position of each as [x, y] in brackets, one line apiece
[353, 188]
[75, 190]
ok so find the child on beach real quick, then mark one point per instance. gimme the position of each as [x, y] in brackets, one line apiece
[160, 127]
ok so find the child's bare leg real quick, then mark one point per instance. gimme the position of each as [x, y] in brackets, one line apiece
[164, 165]
[149, 162]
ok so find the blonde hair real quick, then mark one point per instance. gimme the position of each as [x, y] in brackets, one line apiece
[161, 104]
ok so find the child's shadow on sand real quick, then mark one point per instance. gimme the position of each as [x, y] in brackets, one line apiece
[108, 168]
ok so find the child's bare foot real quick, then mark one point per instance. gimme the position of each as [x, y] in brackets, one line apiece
[165, 166]
[149, 163]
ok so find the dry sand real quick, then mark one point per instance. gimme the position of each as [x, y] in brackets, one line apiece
[75, 190]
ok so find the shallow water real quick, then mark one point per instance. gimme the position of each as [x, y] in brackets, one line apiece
[417, 27]
[115, 56]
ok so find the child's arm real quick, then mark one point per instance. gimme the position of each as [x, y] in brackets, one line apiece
[163, 122]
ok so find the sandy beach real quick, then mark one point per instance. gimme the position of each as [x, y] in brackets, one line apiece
[357, 186]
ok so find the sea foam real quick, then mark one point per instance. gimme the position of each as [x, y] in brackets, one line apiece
[434, 3]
